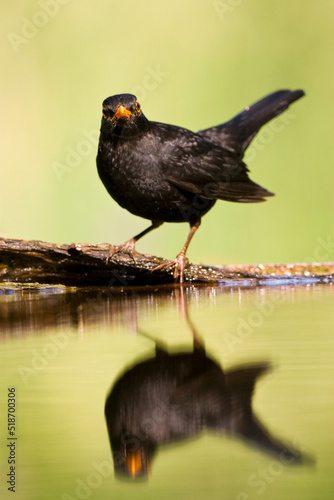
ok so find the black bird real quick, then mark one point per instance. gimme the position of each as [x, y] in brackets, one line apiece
[166, 173]
[177, 396]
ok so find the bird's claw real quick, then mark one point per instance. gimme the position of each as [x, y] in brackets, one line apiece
[128, 247]
[179, 264]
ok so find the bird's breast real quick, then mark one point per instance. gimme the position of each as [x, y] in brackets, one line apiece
[135, 171]
[135, 178]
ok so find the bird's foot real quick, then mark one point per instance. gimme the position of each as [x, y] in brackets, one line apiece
[127, 247]
[179, 264]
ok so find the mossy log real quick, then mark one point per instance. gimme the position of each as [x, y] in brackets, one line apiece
[81, 264]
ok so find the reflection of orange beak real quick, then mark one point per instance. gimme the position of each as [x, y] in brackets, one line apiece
[122, 112]
[134, 462]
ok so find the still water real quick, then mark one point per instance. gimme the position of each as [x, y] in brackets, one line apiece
[212, 392]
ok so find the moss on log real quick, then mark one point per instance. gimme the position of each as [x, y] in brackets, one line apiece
[81, 264]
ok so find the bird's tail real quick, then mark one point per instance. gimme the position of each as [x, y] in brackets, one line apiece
[241, 382]
[236, 134]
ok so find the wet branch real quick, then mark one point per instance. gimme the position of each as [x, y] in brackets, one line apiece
[80, 264]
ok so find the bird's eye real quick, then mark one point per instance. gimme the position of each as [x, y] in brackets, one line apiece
[137, 106]
[104, 113]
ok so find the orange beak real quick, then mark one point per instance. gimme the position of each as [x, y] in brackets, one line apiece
[134, 462]
[122, 112]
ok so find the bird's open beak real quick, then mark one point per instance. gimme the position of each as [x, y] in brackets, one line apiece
[122, 112]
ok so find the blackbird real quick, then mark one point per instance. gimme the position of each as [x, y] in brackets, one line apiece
[166, 173]
[173, 397]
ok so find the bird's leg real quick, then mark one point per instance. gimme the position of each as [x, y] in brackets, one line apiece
[180, 262]
[198, 342]
[129, 246]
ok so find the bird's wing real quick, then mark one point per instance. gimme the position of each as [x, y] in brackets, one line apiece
[195, 165]
[198, 386]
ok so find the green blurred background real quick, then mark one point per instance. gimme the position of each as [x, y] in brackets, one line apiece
[194, 64]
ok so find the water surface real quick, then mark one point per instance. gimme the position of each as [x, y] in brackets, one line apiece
[63, 349]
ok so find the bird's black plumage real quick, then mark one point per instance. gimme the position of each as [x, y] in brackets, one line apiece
[172, 397]
[166, 173]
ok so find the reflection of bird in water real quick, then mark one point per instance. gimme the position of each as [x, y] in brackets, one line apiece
[176, 396]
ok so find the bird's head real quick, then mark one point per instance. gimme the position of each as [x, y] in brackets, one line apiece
[122, 116]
